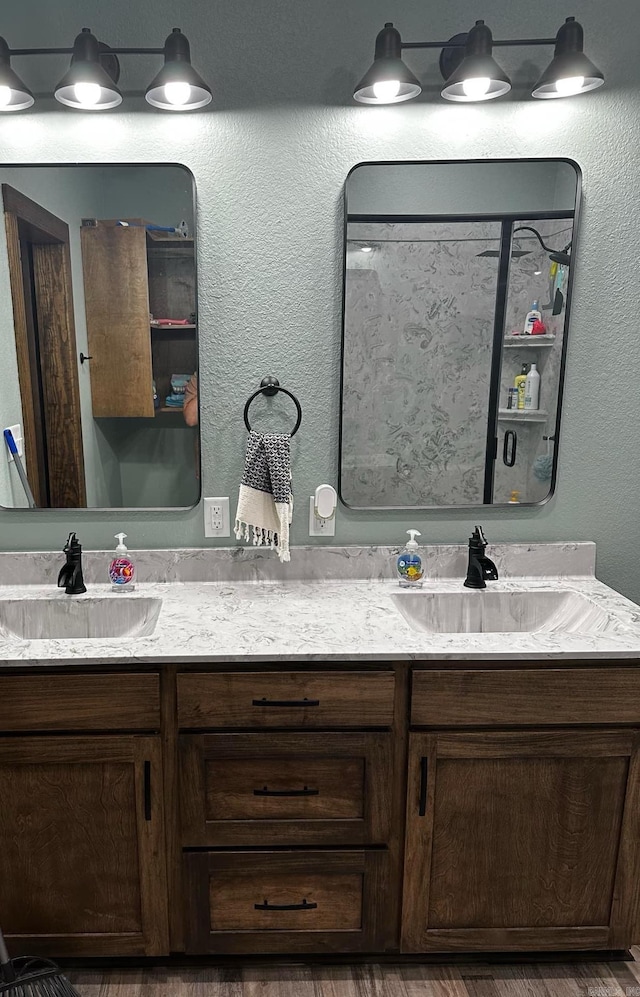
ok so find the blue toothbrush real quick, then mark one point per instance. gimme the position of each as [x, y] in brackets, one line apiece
[13, 450]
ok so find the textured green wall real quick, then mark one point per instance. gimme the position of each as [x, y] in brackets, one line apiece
[270, 159]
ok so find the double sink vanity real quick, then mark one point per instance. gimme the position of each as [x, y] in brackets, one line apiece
[247, 757]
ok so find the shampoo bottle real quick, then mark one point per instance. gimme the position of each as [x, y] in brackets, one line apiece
[122, 570]
[409, 564]
[532, 389]
[535, 315]
[519, 385]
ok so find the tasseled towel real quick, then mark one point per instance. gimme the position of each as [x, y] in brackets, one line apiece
[265, 502]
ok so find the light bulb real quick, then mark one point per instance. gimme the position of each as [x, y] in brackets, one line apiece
[570, 85]
[5, 96]
[386, 90]
[177, 93]
[366, 249]
[476, 87]
[87, 94]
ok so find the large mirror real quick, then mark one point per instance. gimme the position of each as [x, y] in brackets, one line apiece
[457, 287]
[99, 337]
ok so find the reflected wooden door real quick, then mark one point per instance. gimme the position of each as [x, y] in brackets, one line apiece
[42, 295]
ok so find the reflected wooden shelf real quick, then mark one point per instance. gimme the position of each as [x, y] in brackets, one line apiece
[172, 328]
[165, 409]
[529, 341]
[520, 415]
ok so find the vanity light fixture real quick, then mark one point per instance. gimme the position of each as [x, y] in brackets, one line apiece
[86, 84]
[470, 72]
[177, 87]
[478, 77]
[90, 83]
[570, 72]
[14, 95]
[388, 81]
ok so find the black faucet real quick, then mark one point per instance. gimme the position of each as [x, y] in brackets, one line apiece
[480, 568]
[70, 576]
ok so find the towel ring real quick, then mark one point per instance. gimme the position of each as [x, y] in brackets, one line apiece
[271, 386]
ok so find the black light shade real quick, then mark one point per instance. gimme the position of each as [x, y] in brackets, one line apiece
[86, 85]
[569, 72]
[388, 81]
[178, 87]
[478, 77]
[14, 95]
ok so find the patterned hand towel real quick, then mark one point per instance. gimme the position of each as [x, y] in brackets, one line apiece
[265, 502]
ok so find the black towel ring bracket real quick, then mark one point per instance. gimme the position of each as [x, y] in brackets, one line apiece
[271, 386]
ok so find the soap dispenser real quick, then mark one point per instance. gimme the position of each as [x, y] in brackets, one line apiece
[409, 564]
[122, 570]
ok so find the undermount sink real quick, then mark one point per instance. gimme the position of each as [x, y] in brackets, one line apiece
[487, 611]
[70, 618]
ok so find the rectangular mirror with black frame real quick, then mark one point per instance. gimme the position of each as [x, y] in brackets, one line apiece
[99, 337]
[457, 290]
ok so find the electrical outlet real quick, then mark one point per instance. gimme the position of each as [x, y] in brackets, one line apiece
[320, 527]
[216, 517]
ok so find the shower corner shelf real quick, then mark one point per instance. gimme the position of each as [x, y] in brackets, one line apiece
[518, 415]
[529, 341]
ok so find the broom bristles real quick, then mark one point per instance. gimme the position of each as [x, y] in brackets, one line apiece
[31, 982]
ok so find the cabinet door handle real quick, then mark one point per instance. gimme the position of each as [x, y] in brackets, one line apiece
[265, 791]
[147, 790]
[303, 906]
[509, 458]
[285, 702]
[422, 806]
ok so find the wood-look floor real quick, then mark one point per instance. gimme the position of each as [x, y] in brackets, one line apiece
[551, 979]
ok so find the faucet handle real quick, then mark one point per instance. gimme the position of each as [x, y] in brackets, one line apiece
[478, 537]
[72, 545]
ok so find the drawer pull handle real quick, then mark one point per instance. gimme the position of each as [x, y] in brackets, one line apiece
[422, 806]
[303, 906]
[265, 791]
[286, 702]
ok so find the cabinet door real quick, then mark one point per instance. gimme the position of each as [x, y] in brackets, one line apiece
[521, 841]
[116, 293]
[82, 858]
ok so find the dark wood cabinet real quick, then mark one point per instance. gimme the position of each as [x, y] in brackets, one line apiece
[336, 809]
[522, 840]
[82, 856]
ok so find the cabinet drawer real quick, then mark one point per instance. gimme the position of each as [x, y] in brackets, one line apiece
[79, 702]
[285, 788]
[263, 902]
[476, 697]
[285, 699]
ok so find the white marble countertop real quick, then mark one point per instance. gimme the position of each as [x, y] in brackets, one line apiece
[317, 621]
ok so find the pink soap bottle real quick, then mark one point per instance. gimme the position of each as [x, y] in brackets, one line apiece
[122, 570]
